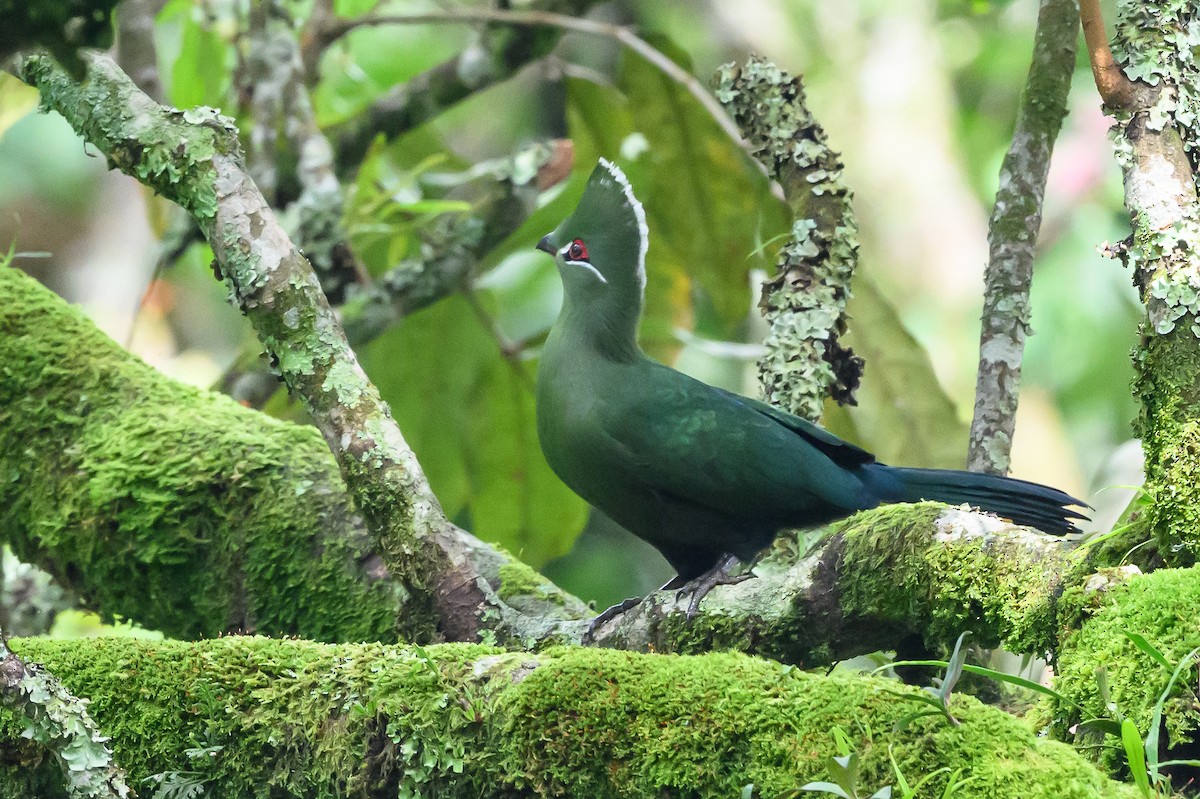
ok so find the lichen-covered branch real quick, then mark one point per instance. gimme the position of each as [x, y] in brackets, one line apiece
[876, 579]
[805, 303]
[452, 721]
[1157, 142]
[1012, 236]
[56, 721]
[272, 79]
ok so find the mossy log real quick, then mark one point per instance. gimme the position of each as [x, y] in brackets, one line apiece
[254, 717]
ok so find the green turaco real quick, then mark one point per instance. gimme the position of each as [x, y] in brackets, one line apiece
[702, 474]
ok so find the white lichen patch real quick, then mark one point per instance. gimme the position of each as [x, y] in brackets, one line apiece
[1107, 578]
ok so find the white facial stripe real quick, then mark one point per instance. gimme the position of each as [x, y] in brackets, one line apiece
[638, 212]
[593, 269]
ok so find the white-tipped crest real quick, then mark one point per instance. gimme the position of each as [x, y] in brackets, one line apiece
[638, 212]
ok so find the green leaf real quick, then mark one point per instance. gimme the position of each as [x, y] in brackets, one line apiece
[469, 416]
[1131, 740]
[1141, 643]
[824, 787]
[516, 501]
[903, 414]
[200, 75]
[703, 194]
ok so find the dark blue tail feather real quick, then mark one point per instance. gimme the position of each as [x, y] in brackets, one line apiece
[1032, 504]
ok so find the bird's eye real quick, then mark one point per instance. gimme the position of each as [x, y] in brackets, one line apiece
[577, 251]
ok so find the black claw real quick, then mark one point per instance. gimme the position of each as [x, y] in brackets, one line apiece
[699, 588]
[608, 615]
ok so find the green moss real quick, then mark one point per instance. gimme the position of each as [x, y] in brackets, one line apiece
[1170, 398]
[518, 580]
[165, 504]
[268, 718]
[1162, 607]
[998, 587]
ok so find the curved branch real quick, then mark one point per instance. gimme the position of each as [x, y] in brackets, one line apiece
[1116, 90]
[625, 36]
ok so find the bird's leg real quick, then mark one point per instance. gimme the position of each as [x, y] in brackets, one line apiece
[717, 575]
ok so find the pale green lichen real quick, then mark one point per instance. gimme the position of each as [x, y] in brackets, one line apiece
[805, 303]
[1158, 44]
[296, 719]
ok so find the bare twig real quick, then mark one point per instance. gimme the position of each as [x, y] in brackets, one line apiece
[624, 35]
[1116, 90]
[1013, 233]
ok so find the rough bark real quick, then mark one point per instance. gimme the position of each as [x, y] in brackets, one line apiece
[1012, 236]
[296, 719]
[805, 302]
[1157, 139]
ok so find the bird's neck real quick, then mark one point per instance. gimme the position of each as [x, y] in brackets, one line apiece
[605, 327]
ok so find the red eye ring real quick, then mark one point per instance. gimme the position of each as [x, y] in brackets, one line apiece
[577, 250]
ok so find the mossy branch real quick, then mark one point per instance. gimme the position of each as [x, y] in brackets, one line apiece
[877, 578]
[296, 719]
[1013, 232]
[194, 515]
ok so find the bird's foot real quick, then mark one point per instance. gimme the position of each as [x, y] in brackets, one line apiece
[717, 575]
[608, 615]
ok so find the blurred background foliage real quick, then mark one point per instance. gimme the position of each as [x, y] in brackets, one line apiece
[918, 95]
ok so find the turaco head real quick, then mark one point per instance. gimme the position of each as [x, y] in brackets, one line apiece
[600, 249]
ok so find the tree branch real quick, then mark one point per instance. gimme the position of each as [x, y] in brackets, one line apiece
[805, 303]
[877, 578]
[455, 721]
[1116, 90]
[1012, 236]
[272, 83]
[198, 517]
[625, 36]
